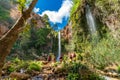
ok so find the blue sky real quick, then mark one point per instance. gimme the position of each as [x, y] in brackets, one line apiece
[58, 11]
[52, 5]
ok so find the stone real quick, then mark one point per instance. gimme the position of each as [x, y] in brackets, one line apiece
[19, 76]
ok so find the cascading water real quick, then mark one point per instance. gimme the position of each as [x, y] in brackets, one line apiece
[59, 46]
[91, 22]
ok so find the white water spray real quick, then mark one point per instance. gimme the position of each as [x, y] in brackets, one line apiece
[59, 46]
[90, 21]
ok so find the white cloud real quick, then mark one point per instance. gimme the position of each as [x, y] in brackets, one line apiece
[36, 10]
[63, 12]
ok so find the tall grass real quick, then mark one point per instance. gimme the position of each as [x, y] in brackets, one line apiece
[104, 52]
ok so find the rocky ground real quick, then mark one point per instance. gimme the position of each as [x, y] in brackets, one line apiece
[52, 70]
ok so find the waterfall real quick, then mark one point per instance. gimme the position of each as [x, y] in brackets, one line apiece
[59, 46]
[91, 22]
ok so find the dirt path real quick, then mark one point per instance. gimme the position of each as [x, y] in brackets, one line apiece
[47, 73]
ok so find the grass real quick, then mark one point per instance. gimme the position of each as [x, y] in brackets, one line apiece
[16, 65]
[104, 53]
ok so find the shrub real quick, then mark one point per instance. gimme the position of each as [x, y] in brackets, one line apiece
[94, 77]
[16, 60]
[72, 76]
[105, 52]
[17, 64]
[11, 69]
[118, 69]
[35, 66]
[22, 65]
[75, 67]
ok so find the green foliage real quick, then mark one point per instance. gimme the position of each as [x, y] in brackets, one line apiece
[22, 43]
[34, 40]
[42, 36]
[78, 71]
[103, 53]
[22, 65]
[118, 69]
[46, 21]
[17, 64]
[76, 4]
[16, 60]
[108, 10]
[79, 30]
[94, 77]
[99, 53]
[11, 68]
[108, 7]
[23, 4]
[75, 67]
[5, 4]
[4, 13]
[35, 66]
[72, 66]
[25, 35]
[72, 76]
[70, 47]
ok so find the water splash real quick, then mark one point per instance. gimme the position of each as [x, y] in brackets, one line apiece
[59, 46]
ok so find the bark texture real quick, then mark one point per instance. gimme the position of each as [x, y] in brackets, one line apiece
[7, 40]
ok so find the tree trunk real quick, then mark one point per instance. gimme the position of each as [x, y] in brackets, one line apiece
[7, 40]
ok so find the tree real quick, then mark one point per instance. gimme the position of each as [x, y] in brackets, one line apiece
[7, 41]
